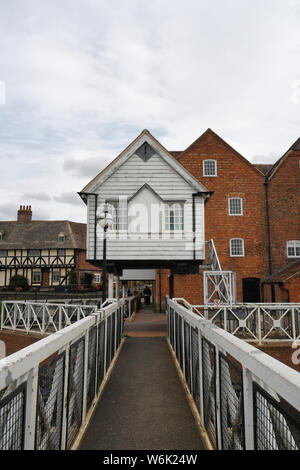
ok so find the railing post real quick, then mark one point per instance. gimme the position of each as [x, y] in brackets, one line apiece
[31, 405]
[65, 400]
[294, 324]
[105, 345]
[201, 376]
[259, 325]
[183, 345]
[218, 399]
[85, 374]
[248, 409]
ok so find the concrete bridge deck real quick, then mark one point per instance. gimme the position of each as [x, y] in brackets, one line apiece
[144, 405]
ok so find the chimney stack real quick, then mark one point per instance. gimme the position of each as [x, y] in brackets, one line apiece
[24, 215]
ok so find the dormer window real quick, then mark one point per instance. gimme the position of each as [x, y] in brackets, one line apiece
[210, 168]
[61, 237]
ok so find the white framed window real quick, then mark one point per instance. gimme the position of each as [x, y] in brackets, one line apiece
[235, 206]
[118, 210]
[210, 168]
[36, 277]
[56, 276]
[97, 278]
[174, 216]
[237, 247]
[293, 249]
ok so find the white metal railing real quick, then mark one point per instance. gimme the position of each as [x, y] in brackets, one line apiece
[41, 317]
[253, 322]
[246, 399]
[47, 389]
[213, 256]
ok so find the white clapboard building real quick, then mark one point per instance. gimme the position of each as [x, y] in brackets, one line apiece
[157, 208]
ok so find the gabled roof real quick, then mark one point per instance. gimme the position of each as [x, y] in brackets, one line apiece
[264, 168]
[145, 136]
[295, 147]
[41, 234]
[283, 274]
[144, 186]
[210, 131]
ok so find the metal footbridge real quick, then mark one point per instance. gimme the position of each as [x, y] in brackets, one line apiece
[184, 380]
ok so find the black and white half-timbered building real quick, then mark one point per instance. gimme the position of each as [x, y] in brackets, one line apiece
[157, 208]
[45, 252]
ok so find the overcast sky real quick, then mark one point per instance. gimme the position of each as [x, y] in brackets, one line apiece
[82, 78]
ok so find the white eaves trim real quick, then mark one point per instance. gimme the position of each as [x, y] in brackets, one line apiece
[146, 137]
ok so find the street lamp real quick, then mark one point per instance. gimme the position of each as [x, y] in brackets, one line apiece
[105, 220]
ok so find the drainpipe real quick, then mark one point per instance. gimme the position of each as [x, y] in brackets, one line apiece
[269, 237]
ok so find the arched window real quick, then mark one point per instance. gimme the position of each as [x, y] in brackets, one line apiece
[210, 168]
[235, 206]
[237, 247]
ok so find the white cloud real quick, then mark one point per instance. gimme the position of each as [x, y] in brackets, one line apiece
[84, 77]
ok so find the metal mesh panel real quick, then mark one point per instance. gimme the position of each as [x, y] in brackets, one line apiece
[92, 366]
[187, 353]
[101, 353]
[276, 426]
[12, 419]
[195, 383]
[50, 404]
[75, 390]
[231, 401]
[209, 389]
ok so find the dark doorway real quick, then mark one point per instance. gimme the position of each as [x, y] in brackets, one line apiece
[87, 280]
[251, 289]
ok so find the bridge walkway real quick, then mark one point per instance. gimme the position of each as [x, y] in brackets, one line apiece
[143, 406]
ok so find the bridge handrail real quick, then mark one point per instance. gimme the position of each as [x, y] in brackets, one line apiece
[77, 360]
[258, 369]
[41, 317]
[262, 322]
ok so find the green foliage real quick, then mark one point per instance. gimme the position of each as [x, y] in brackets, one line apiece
[18, 281]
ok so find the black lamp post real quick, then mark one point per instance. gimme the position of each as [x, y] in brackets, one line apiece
[105, 220]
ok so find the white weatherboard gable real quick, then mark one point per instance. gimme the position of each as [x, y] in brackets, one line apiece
[145, 137]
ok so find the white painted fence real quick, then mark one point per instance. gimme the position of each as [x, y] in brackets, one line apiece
[257, 323]
[245, 398]
[47, 389]
[41, 317]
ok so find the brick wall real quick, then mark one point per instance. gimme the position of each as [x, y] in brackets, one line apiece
[82, 265]
[236, 178]
[14, 341]
[281, 352]
[284, 208]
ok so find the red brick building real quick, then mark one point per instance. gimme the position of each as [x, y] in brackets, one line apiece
[259, 204]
